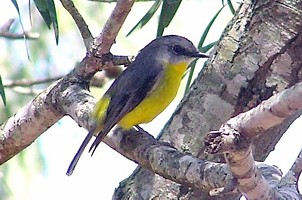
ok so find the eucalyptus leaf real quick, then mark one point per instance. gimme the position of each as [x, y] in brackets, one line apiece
[2, 92]
[147, 16]
[53, 17]
[169, 8]
[42, 7]
[18, 10]
[47, 10]
[231, 7]
[200, 44]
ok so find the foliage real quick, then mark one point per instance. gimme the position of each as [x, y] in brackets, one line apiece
[47, 10]
[2, 93]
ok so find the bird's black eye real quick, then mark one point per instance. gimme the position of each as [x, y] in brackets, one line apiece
[178, 50]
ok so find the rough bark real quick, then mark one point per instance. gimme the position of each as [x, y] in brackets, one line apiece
[258, 55]
[235, 139]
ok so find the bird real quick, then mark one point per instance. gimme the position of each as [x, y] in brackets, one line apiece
[142, 91]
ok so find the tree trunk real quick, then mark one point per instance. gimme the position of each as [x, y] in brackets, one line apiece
[258, 55]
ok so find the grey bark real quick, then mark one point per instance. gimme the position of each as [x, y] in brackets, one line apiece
[258, 55]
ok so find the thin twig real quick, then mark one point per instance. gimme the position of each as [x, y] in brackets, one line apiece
[122, 60]
[26, 91]
[19, 85]
[80, 22]
[97, 81]
[236, 137]
[5, 32]
[29, 83]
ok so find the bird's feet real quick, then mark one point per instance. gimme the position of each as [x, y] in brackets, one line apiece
[140, 129]
[165, 143]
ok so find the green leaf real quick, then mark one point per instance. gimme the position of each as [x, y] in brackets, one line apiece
[201, 41]
[203, 49]
[231, 7]
[53, 17]
[167, 13]
[18, 10]
[42, 7]
[207, 47]
[47, 10]
[16, 6]
[147, 16]
[206, 31]
[2, 92]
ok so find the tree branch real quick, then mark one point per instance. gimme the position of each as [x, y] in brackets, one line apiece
[235, 140]
[97, 81]
[80, 22]
[112, 27]
[29, 83]
[296, 168]
[165, 160]
[5, 32]
[27, 125]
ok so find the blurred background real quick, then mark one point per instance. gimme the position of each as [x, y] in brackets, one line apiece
[38, 172]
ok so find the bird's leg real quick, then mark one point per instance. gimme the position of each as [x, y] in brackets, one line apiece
[165, 143]
[140, 129]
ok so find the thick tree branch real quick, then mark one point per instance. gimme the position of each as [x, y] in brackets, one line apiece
[236, 136]
[27, 125]
[165, 160]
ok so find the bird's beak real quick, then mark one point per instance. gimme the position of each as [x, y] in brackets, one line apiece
[199, 55]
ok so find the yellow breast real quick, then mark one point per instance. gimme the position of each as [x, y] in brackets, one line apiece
[157, 100]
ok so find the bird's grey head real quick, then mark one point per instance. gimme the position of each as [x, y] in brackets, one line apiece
[172, 49]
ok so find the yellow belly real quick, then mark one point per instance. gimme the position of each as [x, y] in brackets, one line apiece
[157, 100]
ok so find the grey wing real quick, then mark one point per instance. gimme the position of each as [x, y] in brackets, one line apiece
[126, 93]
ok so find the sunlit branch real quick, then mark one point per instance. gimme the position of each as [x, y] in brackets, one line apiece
[235, 138]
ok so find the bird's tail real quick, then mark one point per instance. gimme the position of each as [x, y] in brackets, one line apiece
[79, 153]
[99, 138]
